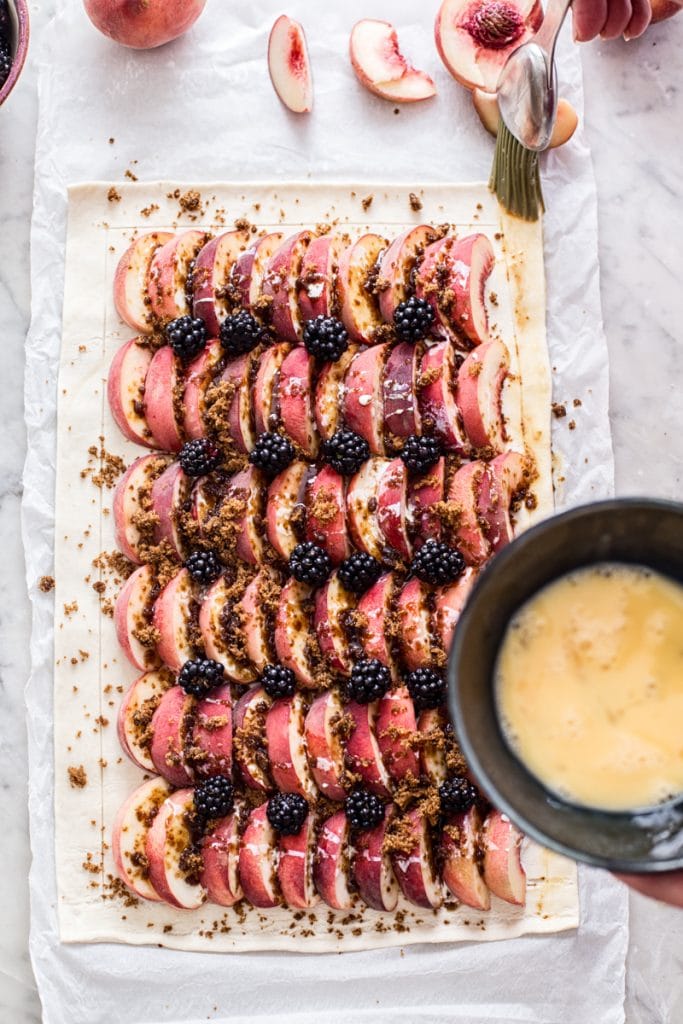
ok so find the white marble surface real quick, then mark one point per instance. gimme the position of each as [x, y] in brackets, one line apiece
[634, 100]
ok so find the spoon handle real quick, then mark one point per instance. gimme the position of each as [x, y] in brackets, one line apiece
[555, 13]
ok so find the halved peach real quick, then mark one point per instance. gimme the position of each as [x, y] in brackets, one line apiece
[475, 37]
[362, 401]
[163, 380]
[168, 274]
[133, 616]
[326, 514]
[211, 277]
[130, 279]
[286, 745]
[280, 285]
[324, 745]
[129, 836]
[566, 122]
[479, 394]
[126, 391]
[382, 68]
[126, 504]
[359, 306]
[172, 620]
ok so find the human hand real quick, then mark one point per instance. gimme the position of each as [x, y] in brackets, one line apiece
[610, 18]
[667, 888]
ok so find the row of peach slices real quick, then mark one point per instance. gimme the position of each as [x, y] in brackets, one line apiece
[159, 856]
[474, 39]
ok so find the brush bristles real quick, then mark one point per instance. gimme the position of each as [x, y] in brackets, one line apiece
[516, 177]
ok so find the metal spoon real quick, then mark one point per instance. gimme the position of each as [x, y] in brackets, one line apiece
[527, 87]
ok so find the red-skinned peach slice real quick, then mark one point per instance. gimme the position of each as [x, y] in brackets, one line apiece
[392, 507]
[361, 507]
[126, 504]
[129, 835]
[216, 623]
[331, 867]
[249, 750]
[432, 724]
[203, 499]
[168, 273]
[363, 410]
[381, 67]
[130, 279]
[326, 514]
[464, 496]
[258, 861]
[324, 745]
[289, 65]
[211, 277]
[295, 400]
[566, 122]
[317, 286]
[475, 39]
[133, 615]
[359, 306]
[287, 747]
[255, 620]
[438, 406]
[167, 840]
[395, 729]
[397, 266]
[479, 392]
[280, 285]
[401, 375]
[295, 866]
[286, 495]
[246, 493]
[329, 392]
[448, 605]
[126, 391]
[264, 390]
[506, 476]
[452, 278]
[372, 868]
[662, 9]
[426, 491]
[172, 619]
[247, 272]
[198, 376]
[220, 857]
[460, 862]
[294, 633]
[169, 493]
[240, 415]
[171, 727]
[415, 869]
[374, 611]
[362, 749]
[332, 603]
[163, 379]
[503, 871]
[135, 712]
[415, 621]
[212, 734]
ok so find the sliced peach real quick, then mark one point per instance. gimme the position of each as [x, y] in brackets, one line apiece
[171, 732]
[173, 622]
[126, 505]
[167, 840]
[426, 491]
[286, 498]
[460, 860]
[415, 869]
[452, 278]
[329, 392]
[133, 617]
[396, 728]
[211, 276]
[503, 871]
[129, 836]
[361, 504]
[126, 391]
[438, 406]
[245, 495]
[324, 745]
[506, 476]
[217, 622]
[399, 390]
[397, 265]
[163, 380]
[289, 65]
[295, 865]
[169, 271]
[469, 531]
[255, 618]
[359, 306]
[318, 279]
[295, 639]
[247, 273]
[415, 620]
[134, 717]
[479, 395]
[198, 376]
[362, 749]
[130, 279]
[295, 392]
[382, 68]
[326, 514]
[258, 860]
[363, 410]
[280, 285]
[331, 870]
[238, 374]
[169, 493]
[286, 745]
[432, 725]
[265, 387]
[212, 733]
[375, 610]
[448, 605]
[250, 755]
[332, 605]
[372, 868]
[220, 857]
[392, 507]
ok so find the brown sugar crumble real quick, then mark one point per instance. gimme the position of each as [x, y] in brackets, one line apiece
[110, 469]
[415, 202]
[559, 410]
[113, 195]
[77, 777]
[367, 202]
[46, 584]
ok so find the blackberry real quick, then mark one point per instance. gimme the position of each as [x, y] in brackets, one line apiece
[272, 453]
[420, 453]
[457, 795]
[308, 563]
[287, 812]
[214, 798]
[359, 571]
[278, 681]
[413, 319]
[427, 688]
[369, 681]
[346, 452]
[186, 336]
[326, 338]
[199, 457]
[437, 563]
[240, 333]
[204, 566]
[364, 810]
[201, 676]
[5, 61]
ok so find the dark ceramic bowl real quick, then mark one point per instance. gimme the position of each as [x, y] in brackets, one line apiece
[18, 10]
[637, 531]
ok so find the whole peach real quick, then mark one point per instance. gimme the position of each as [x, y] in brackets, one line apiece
[143, 24]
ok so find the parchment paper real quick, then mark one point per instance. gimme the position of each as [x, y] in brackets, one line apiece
[203, 109]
